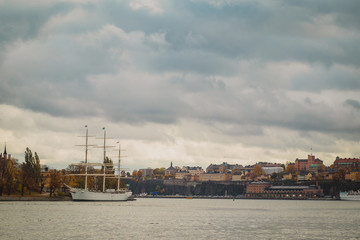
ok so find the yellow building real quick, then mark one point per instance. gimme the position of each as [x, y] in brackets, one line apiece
[353, 176]
[287, 176]
[182, 175]
[214, 177]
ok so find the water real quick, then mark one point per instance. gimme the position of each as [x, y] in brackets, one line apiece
[181, 219]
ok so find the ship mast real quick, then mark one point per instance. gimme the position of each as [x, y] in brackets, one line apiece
[104, 159]
[86, 154]
[104, 164]
[119, 169]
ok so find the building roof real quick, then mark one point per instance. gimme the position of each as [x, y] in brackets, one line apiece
[171, 167]
[291, 187]
[302, 160]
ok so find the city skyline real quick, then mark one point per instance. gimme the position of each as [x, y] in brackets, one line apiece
[194, 81]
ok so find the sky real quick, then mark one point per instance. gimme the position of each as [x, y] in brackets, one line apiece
[192, 82]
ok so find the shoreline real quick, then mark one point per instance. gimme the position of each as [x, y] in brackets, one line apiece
[67, 198]
[33, 198]
[230, 197]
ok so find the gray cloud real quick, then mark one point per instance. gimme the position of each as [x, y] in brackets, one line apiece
[353, 103]
[25, 20]
[240, 67]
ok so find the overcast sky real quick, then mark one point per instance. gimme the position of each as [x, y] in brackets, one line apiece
[194, 82]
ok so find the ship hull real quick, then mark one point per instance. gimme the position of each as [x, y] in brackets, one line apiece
[349, 197]
[82, 195]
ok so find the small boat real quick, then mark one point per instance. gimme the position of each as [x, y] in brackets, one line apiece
[119, 194]
[350, 196]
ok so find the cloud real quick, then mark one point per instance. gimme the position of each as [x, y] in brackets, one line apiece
[353, 103]
[231, 75]
[154, 7]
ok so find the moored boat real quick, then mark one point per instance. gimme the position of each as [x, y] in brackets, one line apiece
[350, 196]
[119, 194]
[85, 195]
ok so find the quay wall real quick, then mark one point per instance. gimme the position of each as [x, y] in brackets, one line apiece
[224, 188]
[29, 198]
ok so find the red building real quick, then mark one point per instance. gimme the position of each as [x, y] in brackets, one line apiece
[347, 163]
[265, 190]
[306, 164]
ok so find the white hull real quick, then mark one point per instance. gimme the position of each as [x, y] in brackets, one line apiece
[83, 195]
[349, 197]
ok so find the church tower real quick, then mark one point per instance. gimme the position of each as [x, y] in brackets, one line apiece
[5, 153]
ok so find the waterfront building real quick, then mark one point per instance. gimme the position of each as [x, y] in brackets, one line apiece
[189, 173]
[237, 177]
[182, 175]
[353, 176]
[170, 170]
[267, 191]
[348, 163]
[45, 177]
[193, 170]
[214, 177]
[272, 169]
[304, 164]
[223, 168]
[304, 176]
[147, 172]
[330, 174]
[287, 176]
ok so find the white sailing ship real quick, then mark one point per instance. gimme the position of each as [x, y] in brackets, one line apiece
[350, 196]
[119, 194]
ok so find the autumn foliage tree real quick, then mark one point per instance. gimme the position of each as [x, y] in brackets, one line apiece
[56, 181]
[290, 169]
[8, 175]
[258, 170]
[30, 172]
[340, 174]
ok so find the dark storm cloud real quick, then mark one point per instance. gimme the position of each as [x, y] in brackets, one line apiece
[24, 20]
[353, 103]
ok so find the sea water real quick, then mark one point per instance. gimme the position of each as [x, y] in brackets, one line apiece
[181, 219]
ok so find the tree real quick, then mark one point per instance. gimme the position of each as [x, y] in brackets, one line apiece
[139, 174]
[111, 182]
[274, 175]
[3, 164]
[340, 174]
[11, 174]
[157, 188]
[290, 169]
[283, 166]
[56, 181]
[258, 170]
[159, 173]
[30, 175]
[110, 166]
[37, 172]
[322, 167]
[8, 170]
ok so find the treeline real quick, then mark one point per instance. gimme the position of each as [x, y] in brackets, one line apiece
[26, 178]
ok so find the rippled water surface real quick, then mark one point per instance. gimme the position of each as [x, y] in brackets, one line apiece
[181, 219]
